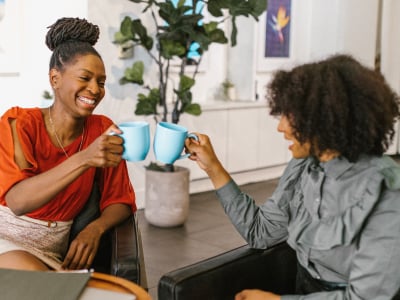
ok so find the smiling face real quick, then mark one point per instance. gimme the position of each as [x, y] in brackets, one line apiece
[80, 86]
[298, 150]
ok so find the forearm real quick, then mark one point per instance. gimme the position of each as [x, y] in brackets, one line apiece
[218, 176]
[261, 226]
[111, 216]
[36, 191]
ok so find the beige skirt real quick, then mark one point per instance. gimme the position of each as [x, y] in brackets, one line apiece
[48, 241]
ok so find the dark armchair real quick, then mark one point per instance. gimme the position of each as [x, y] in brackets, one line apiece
[222, 276]
[120, 252]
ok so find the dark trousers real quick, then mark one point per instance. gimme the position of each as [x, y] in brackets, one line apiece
[306, 284]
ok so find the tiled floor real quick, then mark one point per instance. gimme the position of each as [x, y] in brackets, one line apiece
[206, 233]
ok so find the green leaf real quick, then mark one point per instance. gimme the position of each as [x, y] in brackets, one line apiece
[145, 40]
[193, 109]
[147, 104]
[124, 34]
[186, 83]
[169, 48]
[258, 7]
[125, 27]
[218, 36]
[134, 74]
[214, 8]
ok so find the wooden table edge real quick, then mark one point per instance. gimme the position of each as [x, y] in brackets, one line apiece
[124, 285]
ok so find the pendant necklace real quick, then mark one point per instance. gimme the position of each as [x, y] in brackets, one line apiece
[59, 140]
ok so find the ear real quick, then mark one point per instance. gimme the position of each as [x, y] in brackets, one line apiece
[54, 77]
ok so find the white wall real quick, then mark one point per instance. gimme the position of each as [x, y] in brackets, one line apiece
[319, 28]
[24, 86]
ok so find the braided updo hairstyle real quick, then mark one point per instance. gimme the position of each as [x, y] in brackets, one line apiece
[69, 37]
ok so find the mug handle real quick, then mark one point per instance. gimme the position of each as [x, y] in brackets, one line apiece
[189, 136]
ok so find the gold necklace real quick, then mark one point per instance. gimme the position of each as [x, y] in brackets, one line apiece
[59, 140]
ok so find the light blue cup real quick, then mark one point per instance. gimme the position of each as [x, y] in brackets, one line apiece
[169, 142]
[136, 136]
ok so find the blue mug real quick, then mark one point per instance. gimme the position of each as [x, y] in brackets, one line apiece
[136, 136]
[169, 142]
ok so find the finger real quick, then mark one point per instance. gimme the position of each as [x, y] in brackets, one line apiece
[115, 140]
[69, 256]
[75, 262]
[113, 129]
[90, 259]
[84, 259]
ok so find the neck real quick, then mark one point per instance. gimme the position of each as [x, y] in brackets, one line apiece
[65, 130]
[328, 155]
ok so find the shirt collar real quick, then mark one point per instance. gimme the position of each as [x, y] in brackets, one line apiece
[336, 167]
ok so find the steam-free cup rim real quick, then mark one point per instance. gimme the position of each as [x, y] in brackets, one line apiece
[133, 124]
[173, 126]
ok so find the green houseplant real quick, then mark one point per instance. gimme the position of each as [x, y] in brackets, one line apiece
[178, 38]
[179, 27]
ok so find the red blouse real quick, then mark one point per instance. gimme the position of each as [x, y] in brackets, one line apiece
[42, 155]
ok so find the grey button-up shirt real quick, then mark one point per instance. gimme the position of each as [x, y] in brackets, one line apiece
[342, 218]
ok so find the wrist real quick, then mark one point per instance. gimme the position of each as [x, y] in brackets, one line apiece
[219, 176]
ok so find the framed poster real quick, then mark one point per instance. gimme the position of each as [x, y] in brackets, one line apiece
[10, 35]
[274, 36]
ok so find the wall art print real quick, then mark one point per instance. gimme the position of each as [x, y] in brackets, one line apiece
[278, 23]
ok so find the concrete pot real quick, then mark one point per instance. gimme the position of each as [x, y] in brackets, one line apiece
[167, 197]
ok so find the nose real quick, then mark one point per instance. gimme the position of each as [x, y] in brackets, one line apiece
[282, 125]
[93, 87]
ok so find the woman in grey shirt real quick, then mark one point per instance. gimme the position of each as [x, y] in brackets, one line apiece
[338, 202]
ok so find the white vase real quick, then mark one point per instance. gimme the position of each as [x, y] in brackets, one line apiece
[231, 93]
[167, 197]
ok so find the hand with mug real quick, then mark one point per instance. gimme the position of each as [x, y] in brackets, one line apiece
[136, 136]
[169, 142]
[202, 152]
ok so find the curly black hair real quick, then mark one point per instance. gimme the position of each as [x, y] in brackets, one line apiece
[336, 104]
[69, 37]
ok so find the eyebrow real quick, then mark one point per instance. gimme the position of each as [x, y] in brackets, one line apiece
[90, 72]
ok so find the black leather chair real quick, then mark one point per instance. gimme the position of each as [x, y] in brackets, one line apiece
[120, 252]
[222, 276]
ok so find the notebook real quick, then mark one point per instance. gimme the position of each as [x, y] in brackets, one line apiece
[28, 285]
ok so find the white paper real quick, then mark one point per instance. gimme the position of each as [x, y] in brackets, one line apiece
[91, 293]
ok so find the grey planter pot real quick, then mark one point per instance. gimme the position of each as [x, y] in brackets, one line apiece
[167, 197]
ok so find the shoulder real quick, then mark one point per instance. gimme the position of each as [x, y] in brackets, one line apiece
[390, 171]
[22, 114]
[28, 119]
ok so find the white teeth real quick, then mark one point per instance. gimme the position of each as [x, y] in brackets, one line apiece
[87, 101]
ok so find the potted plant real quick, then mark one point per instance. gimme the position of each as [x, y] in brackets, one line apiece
[229, 90]
[181, 37]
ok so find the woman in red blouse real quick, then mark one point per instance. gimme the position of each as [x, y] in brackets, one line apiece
[50, 158]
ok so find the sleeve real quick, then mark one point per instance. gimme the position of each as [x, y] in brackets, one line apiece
[10, 173]
[265, 225]
[116, 187]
